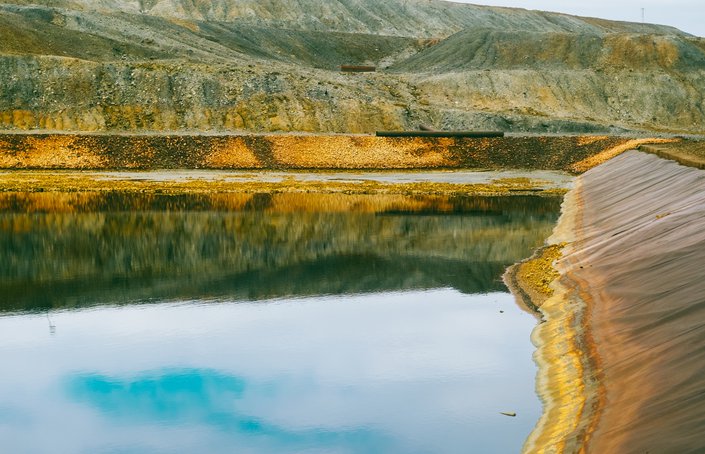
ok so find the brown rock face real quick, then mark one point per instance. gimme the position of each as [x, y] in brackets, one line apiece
[173, 65]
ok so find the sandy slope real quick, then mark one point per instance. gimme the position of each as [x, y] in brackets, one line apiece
[272, 66]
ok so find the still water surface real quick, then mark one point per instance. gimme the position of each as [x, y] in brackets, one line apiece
[259, 323]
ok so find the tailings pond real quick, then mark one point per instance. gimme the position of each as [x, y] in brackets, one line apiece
[265, 323]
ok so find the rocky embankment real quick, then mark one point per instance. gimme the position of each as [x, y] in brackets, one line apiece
[621, 292]
[172, 65]
[287, 151]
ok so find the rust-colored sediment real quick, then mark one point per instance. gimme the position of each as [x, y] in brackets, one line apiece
[291, 151]
[530, 279]
[622, 348]
[567, 380]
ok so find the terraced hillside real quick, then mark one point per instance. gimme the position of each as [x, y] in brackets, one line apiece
[175, 65]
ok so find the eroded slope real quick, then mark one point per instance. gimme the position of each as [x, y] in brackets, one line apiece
[273, 66]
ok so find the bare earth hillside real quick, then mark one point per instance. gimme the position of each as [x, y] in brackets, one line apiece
[218, 65]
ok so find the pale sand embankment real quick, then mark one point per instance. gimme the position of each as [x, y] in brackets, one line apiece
[690, 153]
[622, 349]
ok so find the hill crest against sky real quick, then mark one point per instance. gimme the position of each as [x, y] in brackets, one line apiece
[417, 18]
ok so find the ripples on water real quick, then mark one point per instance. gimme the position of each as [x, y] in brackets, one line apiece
[283, 323]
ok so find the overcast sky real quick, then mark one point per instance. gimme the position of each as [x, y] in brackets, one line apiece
[687, 15]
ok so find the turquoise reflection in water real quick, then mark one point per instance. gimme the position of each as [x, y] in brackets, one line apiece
[179, 396]
[410, 372]
[265, 330]
[202, 397]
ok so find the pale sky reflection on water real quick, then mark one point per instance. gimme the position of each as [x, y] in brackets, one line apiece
[420, 371]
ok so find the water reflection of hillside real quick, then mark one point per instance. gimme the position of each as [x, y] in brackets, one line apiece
[63, 250]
